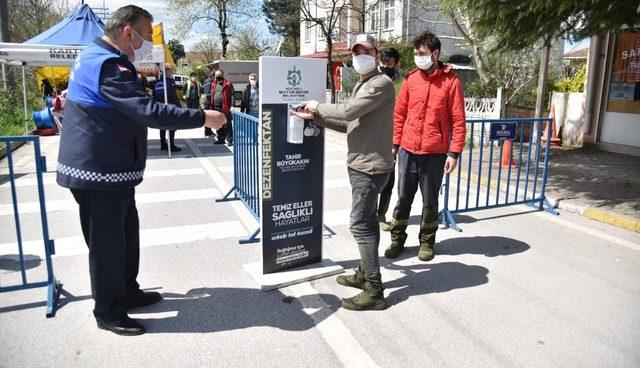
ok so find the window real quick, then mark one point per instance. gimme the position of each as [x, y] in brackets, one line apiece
[307, 31]
[374, 22]
[389, 6]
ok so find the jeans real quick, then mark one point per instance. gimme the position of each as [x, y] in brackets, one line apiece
[364, 223]
[425, 171]
[110, 226]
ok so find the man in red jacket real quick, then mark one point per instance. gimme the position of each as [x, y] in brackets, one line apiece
[428, 136]
[221, 99]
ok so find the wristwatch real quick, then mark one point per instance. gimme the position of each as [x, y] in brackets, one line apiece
[453, 155]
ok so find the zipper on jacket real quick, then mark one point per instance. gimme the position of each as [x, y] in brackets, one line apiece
[440, 130]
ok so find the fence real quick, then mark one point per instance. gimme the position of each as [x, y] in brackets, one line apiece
[477, 172]
[246, 167]
[53, 286]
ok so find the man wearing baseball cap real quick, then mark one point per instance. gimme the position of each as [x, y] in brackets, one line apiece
[367, 118]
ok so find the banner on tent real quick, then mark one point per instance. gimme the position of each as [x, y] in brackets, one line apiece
[59, 55]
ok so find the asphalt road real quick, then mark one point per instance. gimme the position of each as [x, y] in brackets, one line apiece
[517, 288]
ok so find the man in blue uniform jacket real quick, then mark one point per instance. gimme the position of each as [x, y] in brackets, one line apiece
[103, 150]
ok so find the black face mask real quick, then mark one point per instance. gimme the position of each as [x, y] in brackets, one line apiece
[390, 72]
[219, 78]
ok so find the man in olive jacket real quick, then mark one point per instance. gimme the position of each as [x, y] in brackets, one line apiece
[367, 118]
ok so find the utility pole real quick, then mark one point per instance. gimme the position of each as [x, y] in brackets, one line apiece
[5, 36]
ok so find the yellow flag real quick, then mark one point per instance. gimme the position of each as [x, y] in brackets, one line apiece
[158, 39]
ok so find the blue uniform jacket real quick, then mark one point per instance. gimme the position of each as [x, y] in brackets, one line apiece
[103, 143]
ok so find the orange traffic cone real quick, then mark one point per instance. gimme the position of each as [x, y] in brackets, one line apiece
[507, 155]
[555, 140]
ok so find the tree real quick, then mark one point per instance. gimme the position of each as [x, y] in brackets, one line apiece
[176, 49]
[208, 49]
[283, 18]
[325, 15]
[517, 24]
[36, 16]
[249, 45]
[224, 14]
[520, 23]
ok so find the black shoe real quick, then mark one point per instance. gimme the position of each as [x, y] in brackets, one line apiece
[230, 144]
[208, 134]
[126, 326]
[175, 149]
[218, 142]
[142, 299]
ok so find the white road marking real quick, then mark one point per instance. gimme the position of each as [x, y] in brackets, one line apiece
[142, 198]
[75, 245]
[245, 216]
[336, 183]
[335, 333]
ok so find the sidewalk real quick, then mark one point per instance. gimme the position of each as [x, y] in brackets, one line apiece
[600, 185]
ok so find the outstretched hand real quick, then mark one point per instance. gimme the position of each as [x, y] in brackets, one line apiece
[214, 119]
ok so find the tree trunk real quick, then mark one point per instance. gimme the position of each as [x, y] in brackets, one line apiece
[332, 83]
[470, 37]
[542, 79]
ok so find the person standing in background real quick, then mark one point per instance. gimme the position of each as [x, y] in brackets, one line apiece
[192, 90]
[389, 59]
[250, 103]
[221, 99]
[172, 98]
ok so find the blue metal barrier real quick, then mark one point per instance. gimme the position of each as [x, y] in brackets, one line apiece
[53, 285]
[246, 167]
[480, 175]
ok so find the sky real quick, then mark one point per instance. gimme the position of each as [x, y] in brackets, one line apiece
[157, 8]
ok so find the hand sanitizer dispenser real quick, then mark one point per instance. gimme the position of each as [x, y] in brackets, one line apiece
[295, 130]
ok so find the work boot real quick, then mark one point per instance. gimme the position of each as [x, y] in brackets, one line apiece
[425, 253]
[394, 250]
[371, 298]
[356, 280]
[384, 225]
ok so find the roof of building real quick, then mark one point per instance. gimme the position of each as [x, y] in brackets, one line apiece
[577, 54]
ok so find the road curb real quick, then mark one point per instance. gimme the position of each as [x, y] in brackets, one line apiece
[14, 146]
[594, 213]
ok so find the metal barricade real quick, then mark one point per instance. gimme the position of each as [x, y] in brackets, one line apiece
[53, 285]
[483, 182]
[246, 166]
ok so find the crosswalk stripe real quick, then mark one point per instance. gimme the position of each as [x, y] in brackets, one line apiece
[75, 245]
[141, 198]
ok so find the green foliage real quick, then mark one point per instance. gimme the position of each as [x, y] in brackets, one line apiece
[176, 49]
[520, 23]
[572, 84]
[11, 113]
[283, 18]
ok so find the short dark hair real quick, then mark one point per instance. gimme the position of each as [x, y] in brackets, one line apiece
[193, 74]
[125, 16]
[427, 39]
[388, 53]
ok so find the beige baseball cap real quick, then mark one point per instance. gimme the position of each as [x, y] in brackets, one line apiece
[367, 41]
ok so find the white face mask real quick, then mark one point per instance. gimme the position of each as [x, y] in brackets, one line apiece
[253, 82]
[364, 64]
[145, 49]
[193, 79]
[423, 62]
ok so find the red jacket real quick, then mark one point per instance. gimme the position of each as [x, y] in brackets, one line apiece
[429, 110]
[226, 95]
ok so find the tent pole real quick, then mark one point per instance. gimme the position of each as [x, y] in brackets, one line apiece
[166, 102]
[24, 101]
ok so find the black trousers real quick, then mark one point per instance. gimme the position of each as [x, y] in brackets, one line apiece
[163, 137]
[424, 171]
[110, 227]
[385, 196]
